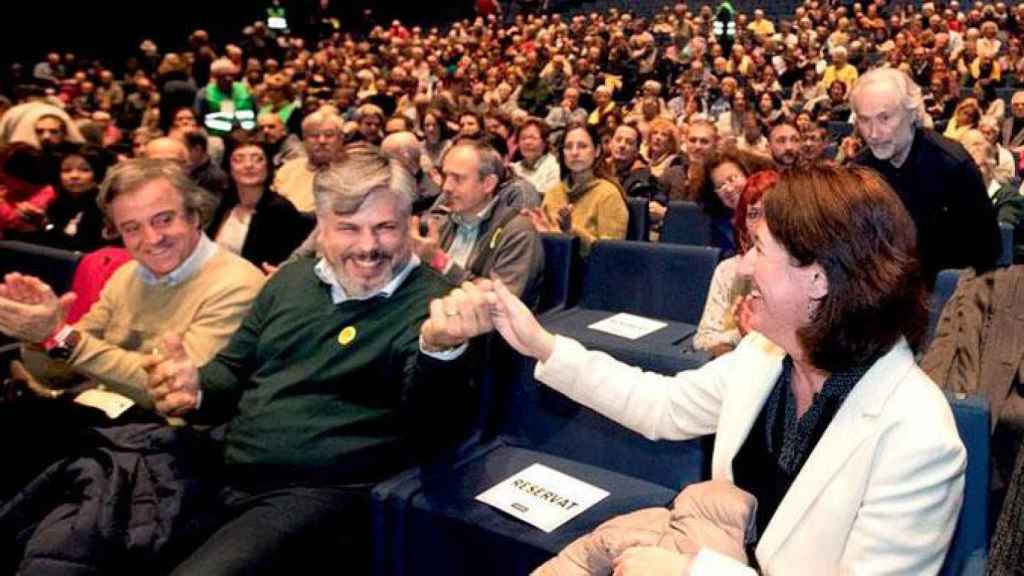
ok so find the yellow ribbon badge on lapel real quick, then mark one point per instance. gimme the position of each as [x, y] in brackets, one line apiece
[347, 335]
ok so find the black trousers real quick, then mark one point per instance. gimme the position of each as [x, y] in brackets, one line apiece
[297, 530]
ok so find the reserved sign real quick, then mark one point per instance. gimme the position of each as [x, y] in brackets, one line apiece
[628, 326]
[543, 497]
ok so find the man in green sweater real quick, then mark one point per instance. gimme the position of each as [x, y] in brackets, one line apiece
[325, 388]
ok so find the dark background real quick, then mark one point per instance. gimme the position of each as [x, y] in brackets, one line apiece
[113, 29]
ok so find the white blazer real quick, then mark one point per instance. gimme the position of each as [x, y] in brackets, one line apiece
[880, 492]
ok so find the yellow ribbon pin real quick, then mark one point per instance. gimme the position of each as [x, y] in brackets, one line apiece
[347, 335]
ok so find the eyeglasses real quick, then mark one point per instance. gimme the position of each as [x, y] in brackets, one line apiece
[729, 181]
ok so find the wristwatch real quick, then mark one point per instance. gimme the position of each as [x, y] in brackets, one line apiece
[62, 343]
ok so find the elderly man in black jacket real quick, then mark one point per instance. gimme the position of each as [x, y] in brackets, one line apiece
[934, 176]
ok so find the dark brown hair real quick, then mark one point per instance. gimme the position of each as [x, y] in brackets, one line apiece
[851, 223]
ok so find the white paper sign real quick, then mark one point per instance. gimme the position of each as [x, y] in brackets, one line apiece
[111, 403]
[628, 325]
[542, 497]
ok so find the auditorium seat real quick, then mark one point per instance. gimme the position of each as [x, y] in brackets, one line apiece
[562, 272]
[686, 223]
[1006, 234]
[639, 226]
[970, 540]
[945, 285]
[665, 282]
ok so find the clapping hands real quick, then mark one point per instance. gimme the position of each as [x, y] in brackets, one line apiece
[29, 309]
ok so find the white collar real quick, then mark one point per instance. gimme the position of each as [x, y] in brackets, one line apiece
[204, 250]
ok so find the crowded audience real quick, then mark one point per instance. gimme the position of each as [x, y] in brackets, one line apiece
[392, 162]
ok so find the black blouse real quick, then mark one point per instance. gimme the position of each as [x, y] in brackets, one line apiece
[780, 443]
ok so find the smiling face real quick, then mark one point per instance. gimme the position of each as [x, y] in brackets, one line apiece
[728, 180]
[155, 226]
[784, 294]
[367, 248]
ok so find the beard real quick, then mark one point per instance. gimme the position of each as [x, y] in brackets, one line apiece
[362, 273]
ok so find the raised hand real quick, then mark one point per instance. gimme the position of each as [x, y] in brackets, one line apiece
[565, 218]
[540, 220]
[517, 324]
[29, 309]
[173, 378]
[425, 245]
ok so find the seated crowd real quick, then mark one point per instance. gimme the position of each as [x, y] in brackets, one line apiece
[296, 242]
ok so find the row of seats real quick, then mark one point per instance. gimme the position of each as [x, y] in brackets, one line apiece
[686, 223]
[426, 520]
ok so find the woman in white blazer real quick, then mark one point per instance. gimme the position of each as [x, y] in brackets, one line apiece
[821, 413]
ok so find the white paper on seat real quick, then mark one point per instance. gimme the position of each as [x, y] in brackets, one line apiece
[112, 404]
[543, 497]
[628, 326]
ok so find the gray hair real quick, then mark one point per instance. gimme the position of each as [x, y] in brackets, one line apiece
[908, 91]
[488, 160]
[320, 118]
[129, 176]
[403, 145]
[345, 186]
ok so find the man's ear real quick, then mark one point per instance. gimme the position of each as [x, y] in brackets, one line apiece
[491, 183]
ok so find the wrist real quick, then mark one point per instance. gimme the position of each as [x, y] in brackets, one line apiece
[56, 337]
[429, 346]
[61, 345]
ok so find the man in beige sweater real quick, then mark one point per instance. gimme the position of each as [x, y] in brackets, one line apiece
[178, 281]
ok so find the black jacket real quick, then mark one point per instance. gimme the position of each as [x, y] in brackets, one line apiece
[942, 189]
[131, 503]
[276, 228]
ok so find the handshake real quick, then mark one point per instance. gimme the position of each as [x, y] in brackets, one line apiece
[478, 307]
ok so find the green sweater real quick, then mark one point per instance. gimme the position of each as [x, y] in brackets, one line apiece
[304, 407]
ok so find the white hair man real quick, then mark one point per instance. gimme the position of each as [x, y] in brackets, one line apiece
[321, 135]
[1013, 126]
[939, 184]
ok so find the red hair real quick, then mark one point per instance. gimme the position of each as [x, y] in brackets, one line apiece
[757, 184]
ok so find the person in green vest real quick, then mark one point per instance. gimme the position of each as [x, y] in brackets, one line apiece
[225, 102]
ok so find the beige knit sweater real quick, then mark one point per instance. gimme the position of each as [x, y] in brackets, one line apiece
[126, 323]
